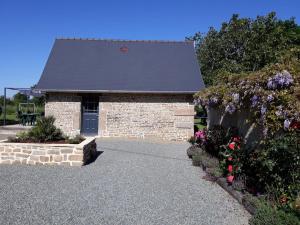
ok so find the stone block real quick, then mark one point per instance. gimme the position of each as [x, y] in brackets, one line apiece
[5, 162]
[76, 163]
[26, 151]
[16, 162]
[31, 162]
[44, 158]
[21, 155]
[66, 150]
[8, 150]
[65, 163]
[53, 152]
[16, 150]
[34, 158]
[78, 151]
[75, 158]
[57, 158]
[38, 152]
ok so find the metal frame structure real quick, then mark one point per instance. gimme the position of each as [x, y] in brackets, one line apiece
[25, 91]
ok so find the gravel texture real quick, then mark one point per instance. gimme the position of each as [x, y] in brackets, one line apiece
[131, 182]
[5, 136]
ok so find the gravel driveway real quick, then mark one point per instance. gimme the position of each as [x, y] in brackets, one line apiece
[131, 182]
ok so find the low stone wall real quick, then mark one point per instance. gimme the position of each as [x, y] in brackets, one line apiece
[48, 154]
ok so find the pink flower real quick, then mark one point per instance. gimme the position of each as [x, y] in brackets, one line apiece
[230, 179]
[232, 145]
[200, 134]
[230, 168]
[229, 158]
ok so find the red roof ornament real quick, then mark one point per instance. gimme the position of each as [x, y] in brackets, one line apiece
[124, 49]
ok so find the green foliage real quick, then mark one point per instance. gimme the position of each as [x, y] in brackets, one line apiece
[45, 130]
[19, 98]
[244, 44]
[275, 168]
[196, 159]
[76, 140]
[267, 215]
[216, 137]
[285, 103]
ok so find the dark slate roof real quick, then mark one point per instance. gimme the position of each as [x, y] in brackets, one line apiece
[77, 65]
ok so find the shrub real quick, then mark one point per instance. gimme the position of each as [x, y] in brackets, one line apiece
[76, 140]
[276, 167]
[216, 137]
[196, 159]
[266, 215]
[45, 130]
[193, 150]
[202, 158]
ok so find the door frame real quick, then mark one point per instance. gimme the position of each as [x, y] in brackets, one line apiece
[85, 99]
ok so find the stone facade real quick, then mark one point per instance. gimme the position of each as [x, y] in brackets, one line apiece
[48, 154]
[66, 108]
[159, 116]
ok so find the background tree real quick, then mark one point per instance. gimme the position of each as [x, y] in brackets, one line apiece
[244, 45]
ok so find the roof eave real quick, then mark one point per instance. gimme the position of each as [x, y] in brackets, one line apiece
[113, 91]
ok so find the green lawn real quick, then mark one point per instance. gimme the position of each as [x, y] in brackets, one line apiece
[198, 124]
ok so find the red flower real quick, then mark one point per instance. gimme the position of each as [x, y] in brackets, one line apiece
[230, 179]
[232, 145]
[230, 168]
[230, 158]
[236, 139]
[295, 125]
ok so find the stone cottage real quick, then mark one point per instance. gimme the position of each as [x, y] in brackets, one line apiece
[116, 88]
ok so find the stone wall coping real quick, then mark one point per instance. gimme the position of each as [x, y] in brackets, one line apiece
[85, 142]
[78, 146]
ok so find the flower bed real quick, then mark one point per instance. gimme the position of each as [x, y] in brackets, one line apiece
[48, 154]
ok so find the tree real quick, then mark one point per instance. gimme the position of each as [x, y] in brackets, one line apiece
[244, 45]
[19, 98]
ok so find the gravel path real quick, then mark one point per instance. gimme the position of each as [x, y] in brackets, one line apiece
[131, 182]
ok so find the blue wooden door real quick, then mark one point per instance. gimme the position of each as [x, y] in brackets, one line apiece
[90, 113]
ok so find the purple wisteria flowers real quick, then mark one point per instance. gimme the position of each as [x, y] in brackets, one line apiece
[236, 97]
[270, 98]
[254, 100]
[230, 108]
[280, 80]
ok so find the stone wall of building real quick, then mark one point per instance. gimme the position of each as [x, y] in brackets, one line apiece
[48, 154]
[169, 117]
[66, 108]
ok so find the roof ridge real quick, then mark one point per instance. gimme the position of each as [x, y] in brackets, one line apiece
[124, 40]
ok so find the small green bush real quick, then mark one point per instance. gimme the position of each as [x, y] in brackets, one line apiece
[266, 215]
[76, 140]
[45, 130]
[275, 168]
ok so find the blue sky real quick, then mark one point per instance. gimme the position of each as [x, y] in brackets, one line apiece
[28, 28]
